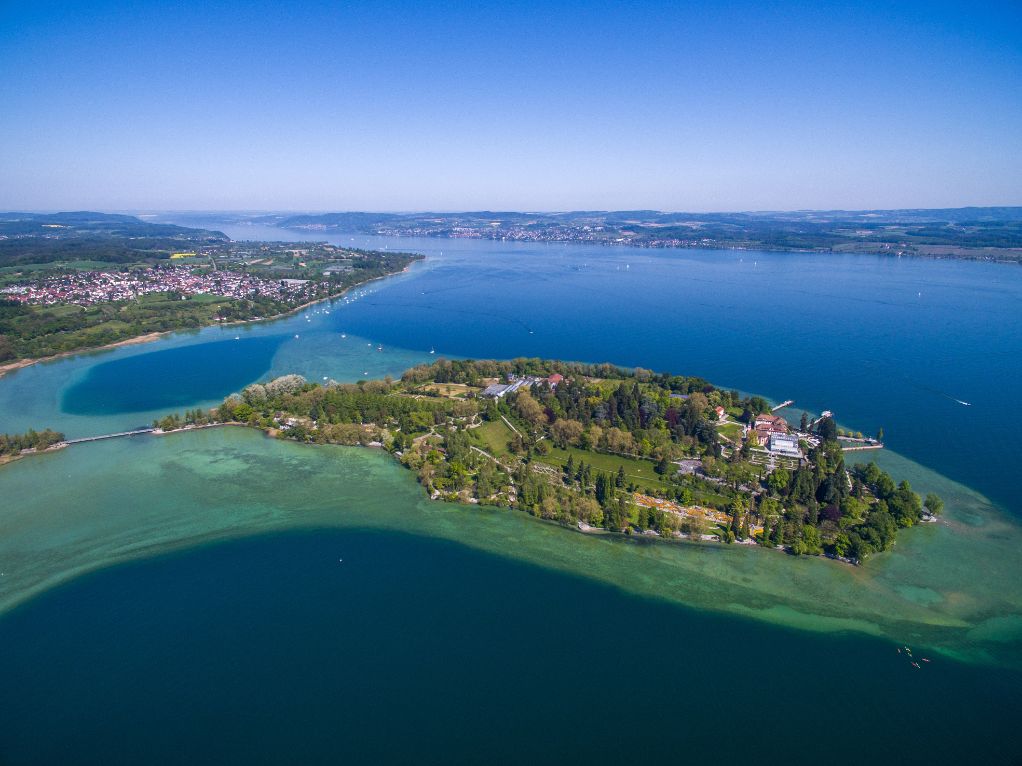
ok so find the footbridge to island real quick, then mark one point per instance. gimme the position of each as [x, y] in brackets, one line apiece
[101, 437]
[138, 432]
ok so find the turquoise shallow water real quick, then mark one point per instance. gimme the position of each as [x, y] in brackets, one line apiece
[354, 619]
[852, 334]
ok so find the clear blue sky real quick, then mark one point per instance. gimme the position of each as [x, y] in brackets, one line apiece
[538, 106]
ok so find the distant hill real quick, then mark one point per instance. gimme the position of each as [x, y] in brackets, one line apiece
[87, 223]
[89, 236]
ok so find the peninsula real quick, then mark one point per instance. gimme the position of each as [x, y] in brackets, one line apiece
[71, 282]
[602, 449]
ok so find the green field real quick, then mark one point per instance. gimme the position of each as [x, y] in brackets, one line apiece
[493, 437]
[636, 470]
[732, 431]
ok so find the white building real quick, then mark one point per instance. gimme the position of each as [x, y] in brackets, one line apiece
[784, 444]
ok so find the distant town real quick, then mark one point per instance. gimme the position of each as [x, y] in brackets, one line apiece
[87, 288]
[991, 233]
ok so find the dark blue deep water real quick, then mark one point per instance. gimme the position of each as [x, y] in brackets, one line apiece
[171, 378]
[270, 650]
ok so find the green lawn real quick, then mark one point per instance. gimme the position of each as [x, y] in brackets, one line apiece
[732, 431]
[493, 436]
[636, 470]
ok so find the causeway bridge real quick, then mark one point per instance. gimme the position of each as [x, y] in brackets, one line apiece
[101, 437]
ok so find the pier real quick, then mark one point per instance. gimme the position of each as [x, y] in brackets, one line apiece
[782, 405]
[101, 437]
[861, 447]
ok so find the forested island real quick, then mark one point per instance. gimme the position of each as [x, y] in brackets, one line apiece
[76, 281]
[602, 449]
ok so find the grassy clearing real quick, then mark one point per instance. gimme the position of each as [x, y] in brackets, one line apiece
[732, 431]
[493, 437]
[450, 390]
[636, 470]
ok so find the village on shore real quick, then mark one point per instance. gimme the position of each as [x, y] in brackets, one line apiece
[88, 288]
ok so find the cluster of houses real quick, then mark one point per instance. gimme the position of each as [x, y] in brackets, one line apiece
[86, 288]
[514, 383]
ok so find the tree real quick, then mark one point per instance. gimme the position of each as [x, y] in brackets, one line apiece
[566, 433]
[933, 504]
[604, 489]
[803, 424]
[530, 410]
[826, 429]
[663, 466]
[619, 482]
[778, 480]
[735, 527]
[614, 516]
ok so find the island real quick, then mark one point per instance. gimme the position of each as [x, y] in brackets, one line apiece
[71, 282]
[601, 449]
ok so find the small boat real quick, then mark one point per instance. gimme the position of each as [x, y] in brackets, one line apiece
[915, 665]
[343, 335]
[925, 659]
[296, 337]
[365, 373]
[379, 348]
[432, 350]
[237, 337]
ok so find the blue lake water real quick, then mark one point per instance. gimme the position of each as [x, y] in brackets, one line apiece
[187, 374]
[269, 649]
[897, 343]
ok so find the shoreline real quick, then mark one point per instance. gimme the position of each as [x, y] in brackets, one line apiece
[893, 631]
[8, 367]
[763, 248]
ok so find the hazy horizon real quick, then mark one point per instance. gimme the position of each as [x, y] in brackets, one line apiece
[149, 211]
